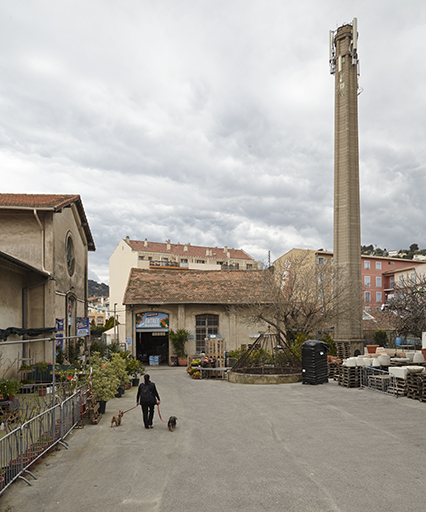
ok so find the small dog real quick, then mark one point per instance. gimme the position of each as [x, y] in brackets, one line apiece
[117, 419]
[172, 423]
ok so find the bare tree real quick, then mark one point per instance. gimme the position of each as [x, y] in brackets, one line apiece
[300, 296]
[407, 309]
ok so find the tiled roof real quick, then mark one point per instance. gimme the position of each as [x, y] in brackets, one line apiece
[192, 250]
[53, 202]
[194, 287]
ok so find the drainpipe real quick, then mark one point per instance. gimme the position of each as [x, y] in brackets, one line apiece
[42, 241]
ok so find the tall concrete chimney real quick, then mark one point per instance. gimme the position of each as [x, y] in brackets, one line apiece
[347, 231]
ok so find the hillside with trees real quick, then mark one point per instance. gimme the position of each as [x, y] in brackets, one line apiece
[98, 289]
[406, 254]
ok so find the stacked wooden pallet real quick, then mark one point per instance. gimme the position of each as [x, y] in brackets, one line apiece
[343, 349]
[215, 349]
[415, 386]
[398, 387]
[333, 370]
[349, 377]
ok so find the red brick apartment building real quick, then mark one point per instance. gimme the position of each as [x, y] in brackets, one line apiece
[377, 273]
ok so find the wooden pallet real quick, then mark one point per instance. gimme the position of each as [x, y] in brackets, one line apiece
[92, 407]
[349, 377]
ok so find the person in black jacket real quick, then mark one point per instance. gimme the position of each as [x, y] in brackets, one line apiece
[147, 397]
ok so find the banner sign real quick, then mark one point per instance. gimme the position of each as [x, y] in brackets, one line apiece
[83, 328]
[152, 320]
[60, 324]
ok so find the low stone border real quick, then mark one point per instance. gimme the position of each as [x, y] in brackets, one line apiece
[251, 378]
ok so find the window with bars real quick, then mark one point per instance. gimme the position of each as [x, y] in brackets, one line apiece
[205, 325]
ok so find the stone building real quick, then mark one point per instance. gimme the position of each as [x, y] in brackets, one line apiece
[156, 255]
[44, 241]
[205, 303]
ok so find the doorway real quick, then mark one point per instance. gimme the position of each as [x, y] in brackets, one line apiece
[152, 343]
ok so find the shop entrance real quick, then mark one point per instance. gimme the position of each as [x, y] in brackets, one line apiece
[152, 343]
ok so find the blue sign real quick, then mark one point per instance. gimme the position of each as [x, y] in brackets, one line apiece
[83, 328]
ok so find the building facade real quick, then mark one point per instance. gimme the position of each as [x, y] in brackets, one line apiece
[205, 303]
[155, 255]
[50, 235]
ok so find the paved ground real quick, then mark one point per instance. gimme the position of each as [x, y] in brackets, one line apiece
[240, 447]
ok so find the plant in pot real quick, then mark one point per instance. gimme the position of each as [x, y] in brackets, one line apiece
[134, 369]
[179, 339]
[9, 388]
[104, 380]
[118, 366]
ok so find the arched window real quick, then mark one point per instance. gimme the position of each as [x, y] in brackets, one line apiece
[205, 325]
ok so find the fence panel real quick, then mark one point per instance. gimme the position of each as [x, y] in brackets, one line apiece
[10, 458]
[379, 380]
[72, 410]
[25, 446]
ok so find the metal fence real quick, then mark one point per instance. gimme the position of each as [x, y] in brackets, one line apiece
[24, 447]
[379, 380]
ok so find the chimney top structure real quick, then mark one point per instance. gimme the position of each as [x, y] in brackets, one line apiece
[344, 66]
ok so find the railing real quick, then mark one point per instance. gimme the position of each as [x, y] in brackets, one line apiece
[25, 446]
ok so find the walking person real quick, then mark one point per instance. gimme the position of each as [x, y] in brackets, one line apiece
[147, 397]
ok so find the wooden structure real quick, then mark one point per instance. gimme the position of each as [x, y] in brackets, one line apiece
[215, 348]
[92, 408]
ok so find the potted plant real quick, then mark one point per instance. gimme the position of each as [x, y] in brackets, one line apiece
[104, 380]
[134, 368]
[9, 388]
[118, 366]
[179, 339]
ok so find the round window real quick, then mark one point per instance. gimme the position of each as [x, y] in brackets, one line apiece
[70, 255]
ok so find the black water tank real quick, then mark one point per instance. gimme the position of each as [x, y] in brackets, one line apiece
[314, 362]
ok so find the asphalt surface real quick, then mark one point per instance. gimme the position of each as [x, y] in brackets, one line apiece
[288, 447]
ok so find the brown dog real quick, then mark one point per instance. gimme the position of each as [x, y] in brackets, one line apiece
[172, 423]
[117, 419]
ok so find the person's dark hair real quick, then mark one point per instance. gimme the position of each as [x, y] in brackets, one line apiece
[146, 378]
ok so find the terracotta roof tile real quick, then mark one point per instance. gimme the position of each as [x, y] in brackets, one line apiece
[53, 202]
[194, 286]
[193, 250]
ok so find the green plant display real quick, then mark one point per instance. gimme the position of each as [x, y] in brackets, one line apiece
[104, 379]
[134, 368]
[118, 365]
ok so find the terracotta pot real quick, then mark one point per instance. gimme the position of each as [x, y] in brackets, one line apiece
[372, 348]
[424, 353]
[182, 361]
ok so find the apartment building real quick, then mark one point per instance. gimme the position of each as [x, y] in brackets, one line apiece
[377, 273]
[167, 256]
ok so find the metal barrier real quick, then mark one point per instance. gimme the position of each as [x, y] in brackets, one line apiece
[25, 446]
[379, 380]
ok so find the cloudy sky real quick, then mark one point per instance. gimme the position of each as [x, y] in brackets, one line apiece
[211, 121]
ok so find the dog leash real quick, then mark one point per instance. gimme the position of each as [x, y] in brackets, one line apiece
[159, 414]
[130, 409]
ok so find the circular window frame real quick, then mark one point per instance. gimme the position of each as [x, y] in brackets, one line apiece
[70, 254]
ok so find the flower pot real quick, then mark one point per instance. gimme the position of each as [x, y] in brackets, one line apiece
[135, 382]
[372, 348]
[182, 361]
[42, 392]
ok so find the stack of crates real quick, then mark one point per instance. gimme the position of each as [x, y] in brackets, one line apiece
[154, 360]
